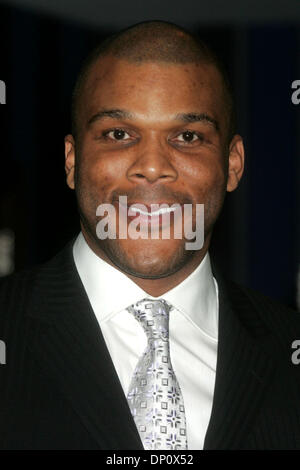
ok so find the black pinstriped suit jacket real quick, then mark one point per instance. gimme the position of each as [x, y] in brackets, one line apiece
[59, 388]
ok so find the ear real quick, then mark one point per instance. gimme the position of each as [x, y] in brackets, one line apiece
[236, 162]
[70, 160]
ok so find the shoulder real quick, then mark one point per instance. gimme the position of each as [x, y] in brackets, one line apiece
[260, 302]
[28, 276]
[22, 290]
[17, 286]
[262, 313]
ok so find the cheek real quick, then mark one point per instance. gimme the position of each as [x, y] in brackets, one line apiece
[97, 174]
[206, 180]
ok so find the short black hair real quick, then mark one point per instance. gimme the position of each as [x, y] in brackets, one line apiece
[154, 41]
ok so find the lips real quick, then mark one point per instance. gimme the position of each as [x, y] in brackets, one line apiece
[157, 214]
[151, 213]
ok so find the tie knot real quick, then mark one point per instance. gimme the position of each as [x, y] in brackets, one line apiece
[154, 317]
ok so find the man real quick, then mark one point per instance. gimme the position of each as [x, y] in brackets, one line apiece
[130, 341]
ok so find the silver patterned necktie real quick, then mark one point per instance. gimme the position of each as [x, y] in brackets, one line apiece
[154, 395]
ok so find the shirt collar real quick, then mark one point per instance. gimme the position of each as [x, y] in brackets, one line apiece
[111, 291]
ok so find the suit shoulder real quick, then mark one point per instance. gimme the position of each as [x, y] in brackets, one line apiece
[26, 278]
[274, 314]
[14, 284]
[15, 293]
[22, 290]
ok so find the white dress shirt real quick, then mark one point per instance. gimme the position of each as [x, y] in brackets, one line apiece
[193, 330]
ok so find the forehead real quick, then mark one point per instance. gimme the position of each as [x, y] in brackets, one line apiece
[152, 88]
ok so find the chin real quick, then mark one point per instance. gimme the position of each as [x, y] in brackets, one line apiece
[148, 260]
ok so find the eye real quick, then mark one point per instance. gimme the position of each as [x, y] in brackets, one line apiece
[189, 137]
[116, 134]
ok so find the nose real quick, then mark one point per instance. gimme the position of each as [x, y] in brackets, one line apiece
[152, 163]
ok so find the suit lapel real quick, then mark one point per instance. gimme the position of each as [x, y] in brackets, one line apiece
[72, 350]
[243, 374]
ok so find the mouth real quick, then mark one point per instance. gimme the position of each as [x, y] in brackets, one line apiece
[157, 214]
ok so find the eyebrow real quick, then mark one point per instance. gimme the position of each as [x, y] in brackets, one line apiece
[110, 113]
[184, 117]
[198, 117]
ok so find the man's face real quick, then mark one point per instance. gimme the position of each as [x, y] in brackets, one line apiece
[155, 133]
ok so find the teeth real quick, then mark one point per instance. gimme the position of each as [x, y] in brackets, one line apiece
[161, 211]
